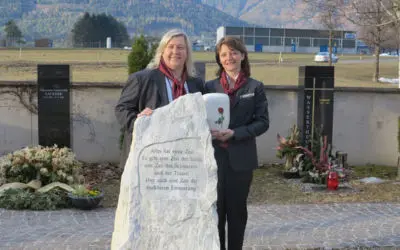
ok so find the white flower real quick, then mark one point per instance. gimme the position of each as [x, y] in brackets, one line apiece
[46, 160]
[44, 171]
[312, 174]
[70, 179]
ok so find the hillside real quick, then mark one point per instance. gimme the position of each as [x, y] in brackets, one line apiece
[268, 13]
[55, 18]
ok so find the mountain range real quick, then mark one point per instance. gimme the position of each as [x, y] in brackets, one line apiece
[55, 18]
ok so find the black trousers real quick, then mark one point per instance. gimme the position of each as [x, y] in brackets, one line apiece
[233, 189]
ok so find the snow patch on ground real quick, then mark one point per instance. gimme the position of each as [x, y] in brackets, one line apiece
[389, 80]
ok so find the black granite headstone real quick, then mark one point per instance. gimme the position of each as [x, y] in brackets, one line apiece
[54, 105]
[315, 102]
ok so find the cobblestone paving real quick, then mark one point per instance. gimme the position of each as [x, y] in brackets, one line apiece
[269, 227]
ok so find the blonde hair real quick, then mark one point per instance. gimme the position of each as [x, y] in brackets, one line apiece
[155, 62]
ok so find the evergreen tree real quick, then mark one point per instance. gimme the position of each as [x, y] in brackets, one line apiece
[140, 55]
[91, 29]
[13, 33]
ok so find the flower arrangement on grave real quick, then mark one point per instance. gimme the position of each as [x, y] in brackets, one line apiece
[85, 191]
[85, 197]
[221, 118]
[322, 164]
[34, 172]
[45, 164]
[289, 148]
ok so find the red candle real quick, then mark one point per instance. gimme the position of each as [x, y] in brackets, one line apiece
[333, 181]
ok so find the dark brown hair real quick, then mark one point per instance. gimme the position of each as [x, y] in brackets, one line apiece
[237, 44]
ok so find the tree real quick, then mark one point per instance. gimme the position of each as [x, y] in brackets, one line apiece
[393, 11]
[373, 20]
[393, 39]
[94, 28]
[329, 14]
[13, 33]
[141, 54]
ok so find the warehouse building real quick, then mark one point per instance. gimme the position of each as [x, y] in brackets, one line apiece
[291, 40]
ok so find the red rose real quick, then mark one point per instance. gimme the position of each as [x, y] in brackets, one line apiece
[220, 110]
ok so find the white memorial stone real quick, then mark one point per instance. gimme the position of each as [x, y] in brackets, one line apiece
[168, 193]
[218, 112]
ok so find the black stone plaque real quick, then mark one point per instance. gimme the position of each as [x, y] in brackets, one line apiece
[315, 102]
[200, 69]
[54, 105]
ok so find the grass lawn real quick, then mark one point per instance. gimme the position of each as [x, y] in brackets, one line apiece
[120, 56]
[269, 187]
[354, 75]
[101, 65]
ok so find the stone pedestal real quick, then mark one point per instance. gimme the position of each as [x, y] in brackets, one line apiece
[168, 193]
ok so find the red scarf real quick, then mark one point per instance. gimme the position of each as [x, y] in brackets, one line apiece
[178, 87]
[240, 81]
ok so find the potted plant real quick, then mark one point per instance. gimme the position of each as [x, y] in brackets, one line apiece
[289, 148]
[85, 197]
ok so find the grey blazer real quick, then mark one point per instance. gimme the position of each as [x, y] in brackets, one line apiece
[144, 88]
[248, 119]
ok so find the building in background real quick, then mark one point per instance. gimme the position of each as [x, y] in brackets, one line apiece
[43, 43]
[291, 40]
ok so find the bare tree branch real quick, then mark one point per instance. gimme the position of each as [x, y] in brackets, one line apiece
[392, 9]
[329, 13]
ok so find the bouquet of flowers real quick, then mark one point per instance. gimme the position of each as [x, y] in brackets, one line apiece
[289, 147]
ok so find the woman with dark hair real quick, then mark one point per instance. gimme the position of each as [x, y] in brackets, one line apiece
[235, 147]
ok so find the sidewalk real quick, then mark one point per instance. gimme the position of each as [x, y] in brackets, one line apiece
[269, 227]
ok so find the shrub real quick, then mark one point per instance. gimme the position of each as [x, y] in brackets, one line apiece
[26, 199]
[47, 164]
[141, 55]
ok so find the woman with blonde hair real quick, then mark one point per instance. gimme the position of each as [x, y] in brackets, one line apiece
[168, 76]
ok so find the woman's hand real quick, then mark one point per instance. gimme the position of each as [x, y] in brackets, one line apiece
[145, 112]
[222, 135]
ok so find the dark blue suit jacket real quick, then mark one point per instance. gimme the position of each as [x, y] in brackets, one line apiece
[248, 118]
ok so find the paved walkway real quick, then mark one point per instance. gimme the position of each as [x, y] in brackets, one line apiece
[269, 227]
